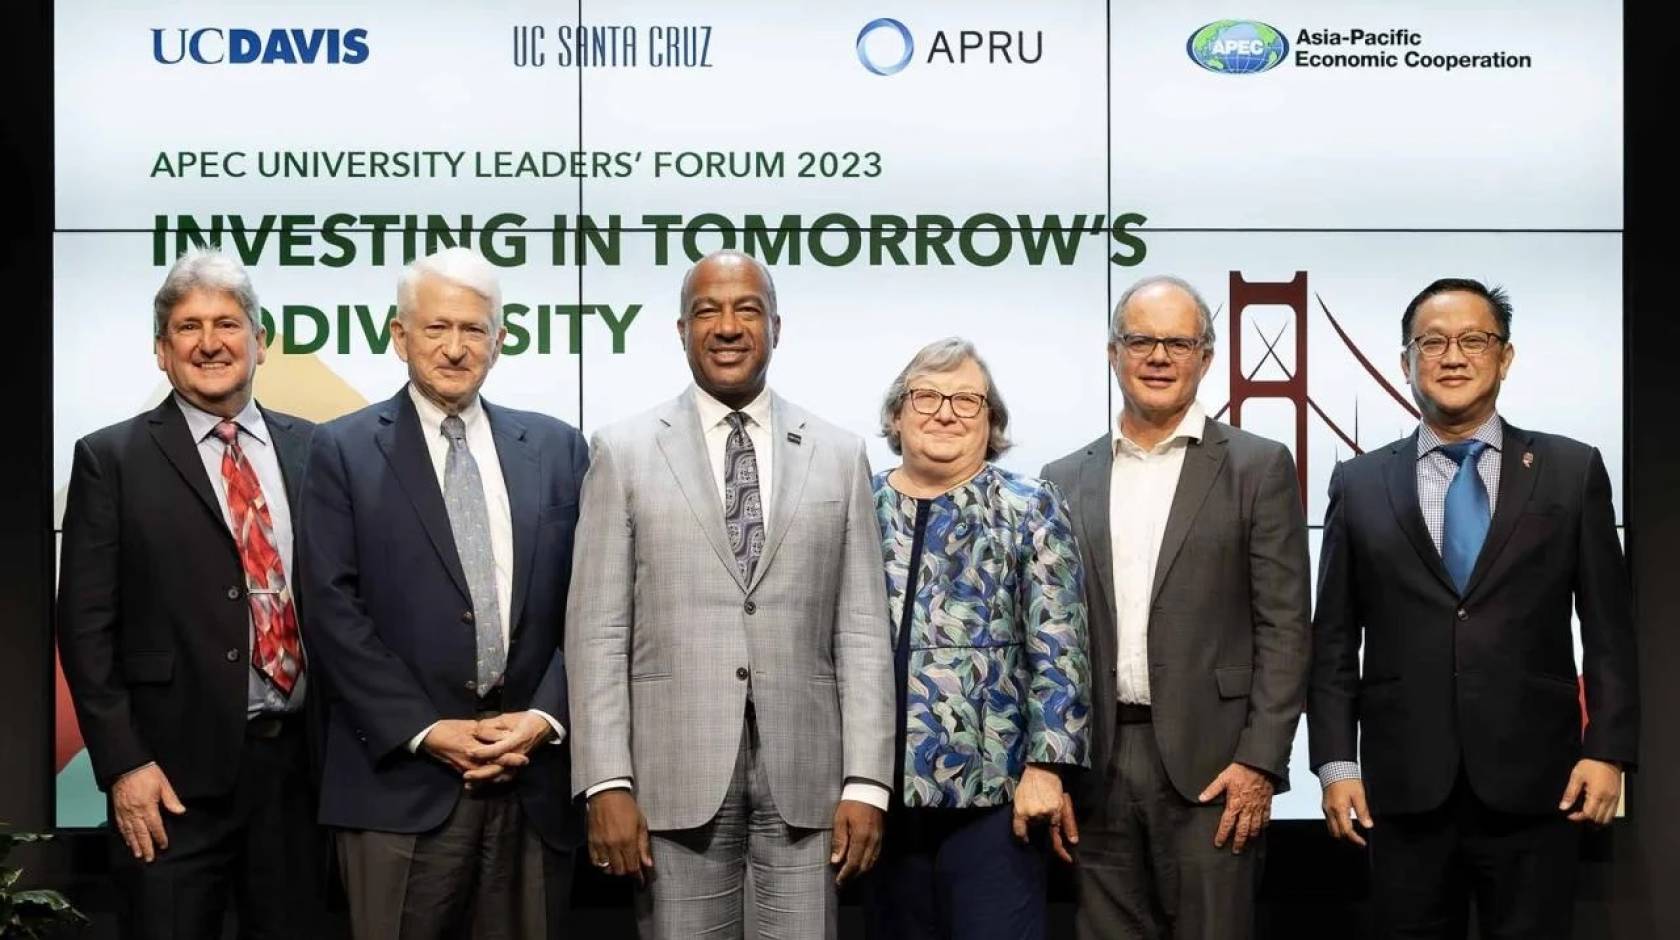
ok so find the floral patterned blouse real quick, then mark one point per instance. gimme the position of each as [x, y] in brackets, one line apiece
[994, 668]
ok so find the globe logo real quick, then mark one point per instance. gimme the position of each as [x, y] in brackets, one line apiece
[1237, 47]
[877, 56]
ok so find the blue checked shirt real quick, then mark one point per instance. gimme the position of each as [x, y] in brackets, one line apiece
[1435, 472]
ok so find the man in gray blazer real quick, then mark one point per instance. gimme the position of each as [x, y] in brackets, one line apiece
[727, 640]
[1195, 548]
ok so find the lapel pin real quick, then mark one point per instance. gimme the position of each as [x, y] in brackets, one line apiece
[1528, 459]
[793, 438]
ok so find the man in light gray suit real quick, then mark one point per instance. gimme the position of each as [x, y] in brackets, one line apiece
[731, 677]
[1195, 548]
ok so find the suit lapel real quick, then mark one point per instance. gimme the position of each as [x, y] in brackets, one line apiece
[522, 477]
[292, 451]
[399, 439]
[1202, 460]
[790, 467]
[684, 446]
[169, 430]
[1516, 485]
[1403, 499]
[1093, 517]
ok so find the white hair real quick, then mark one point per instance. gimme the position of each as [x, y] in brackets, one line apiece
[204, 269]
[462, 267]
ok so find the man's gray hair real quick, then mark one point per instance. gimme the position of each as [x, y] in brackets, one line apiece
[1117, 322]
[943, 356]
[204, 269]
[763, 270]
[460, 266]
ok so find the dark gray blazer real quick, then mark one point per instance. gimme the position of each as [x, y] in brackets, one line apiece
[1229, 624]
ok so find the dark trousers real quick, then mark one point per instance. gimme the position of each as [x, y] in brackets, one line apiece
[1147, 864]
[256, 849]
[484, 874]
[1425, 868]
[956, 874]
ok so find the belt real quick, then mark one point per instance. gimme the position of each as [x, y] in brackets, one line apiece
[269, 725]
[1133, 714]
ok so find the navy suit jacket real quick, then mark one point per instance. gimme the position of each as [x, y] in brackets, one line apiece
[1484, 680]
[391, 618]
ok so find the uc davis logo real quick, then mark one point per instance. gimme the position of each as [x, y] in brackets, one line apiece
[877, 59]
[1237, 47]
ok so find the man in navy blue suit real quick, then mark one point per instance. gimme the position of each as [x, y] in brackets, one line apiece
[440, 545]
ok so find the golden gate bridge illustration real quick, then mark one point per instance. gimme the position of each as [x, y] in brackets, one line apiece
[1245, 387]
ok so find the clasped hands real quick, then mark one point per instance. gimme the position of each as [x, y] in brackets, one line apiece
[487, 750]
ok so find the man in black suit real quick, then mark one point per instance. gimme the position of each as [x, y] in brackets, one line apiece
[437, 553]
[178, 628]
[1457, 554]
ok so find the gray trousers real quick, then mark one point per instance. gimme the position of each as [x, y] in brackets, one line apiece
[1147, 864]
[483, 874]
[699, 875]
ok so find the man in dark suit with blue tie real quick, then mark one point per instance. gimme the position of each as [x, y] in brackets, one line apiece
[440, 550]
[1457, 555]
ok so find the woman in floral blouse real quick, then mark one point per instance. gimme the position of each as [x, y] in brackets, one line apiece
[988, 625]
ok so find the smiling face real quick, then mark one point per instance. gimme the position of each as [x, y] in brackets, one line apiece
[210, 350]
[944, 444]
[729, 328]
[1456, 390]
[1156, 387]
[449, 340]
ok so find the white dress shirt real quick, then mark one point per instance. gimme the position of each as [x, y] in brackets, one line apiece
[261, 697]
[714, 426]
[1140, 496]
[482, 445]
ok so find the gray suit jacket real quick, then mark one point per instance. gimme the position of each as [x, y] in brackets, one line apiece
[1229, 622]
[661, 631]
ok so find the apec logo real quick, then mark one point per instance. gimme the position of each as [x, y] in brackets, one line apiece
[885, 47]
[214, 46]
[1237, 47]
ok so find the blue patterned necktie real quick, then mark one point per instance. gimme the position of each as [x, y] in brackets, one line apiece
[469, 522]
[743, 513]
[1466, 523]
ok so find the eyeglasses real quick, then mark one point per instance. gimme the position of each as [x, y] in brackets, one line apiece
[1179, 348]
[928, 401]
[1470, 342]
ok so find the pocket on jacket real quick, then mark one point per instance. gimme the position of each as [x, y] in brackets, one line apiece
[148, 666]
[1234, 681]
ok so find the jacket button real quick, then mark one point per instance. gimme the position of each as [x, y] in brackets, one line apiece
[472, 686]
[1463, 615]
[466, 616]
[232, 656]
[741, 673]
[749, 607]
[1114, 671]
[233, 592]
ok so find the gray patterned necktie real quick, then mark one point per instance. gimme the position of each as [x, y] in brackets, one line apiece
[469, 521]
[743, 512]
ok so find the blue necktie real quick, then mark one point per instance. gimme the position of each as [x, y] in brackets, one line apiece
[1466, 523]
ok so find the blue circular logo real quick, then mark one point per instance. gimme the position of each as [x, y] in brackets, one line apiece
[1237, 47]
[885, 22]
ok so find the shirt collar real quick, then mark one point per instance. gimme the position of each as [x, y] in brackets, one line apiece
[1190, 428]
[714, 412]
[201, 424]
[1491, 432]
[431, 416]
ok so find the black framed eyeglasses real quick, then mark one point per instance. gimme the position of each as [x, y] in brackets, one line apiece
[927, 401]
[1470, 342]
[1179, 348]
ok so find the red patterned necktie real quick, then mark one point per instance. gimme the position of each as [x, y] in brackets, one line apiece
[277, 653]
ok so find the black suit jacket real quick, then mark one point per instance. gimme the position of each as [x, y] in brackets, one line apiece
[1486, 680]
[1229, 611]
[153, 621]
[391, 612]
